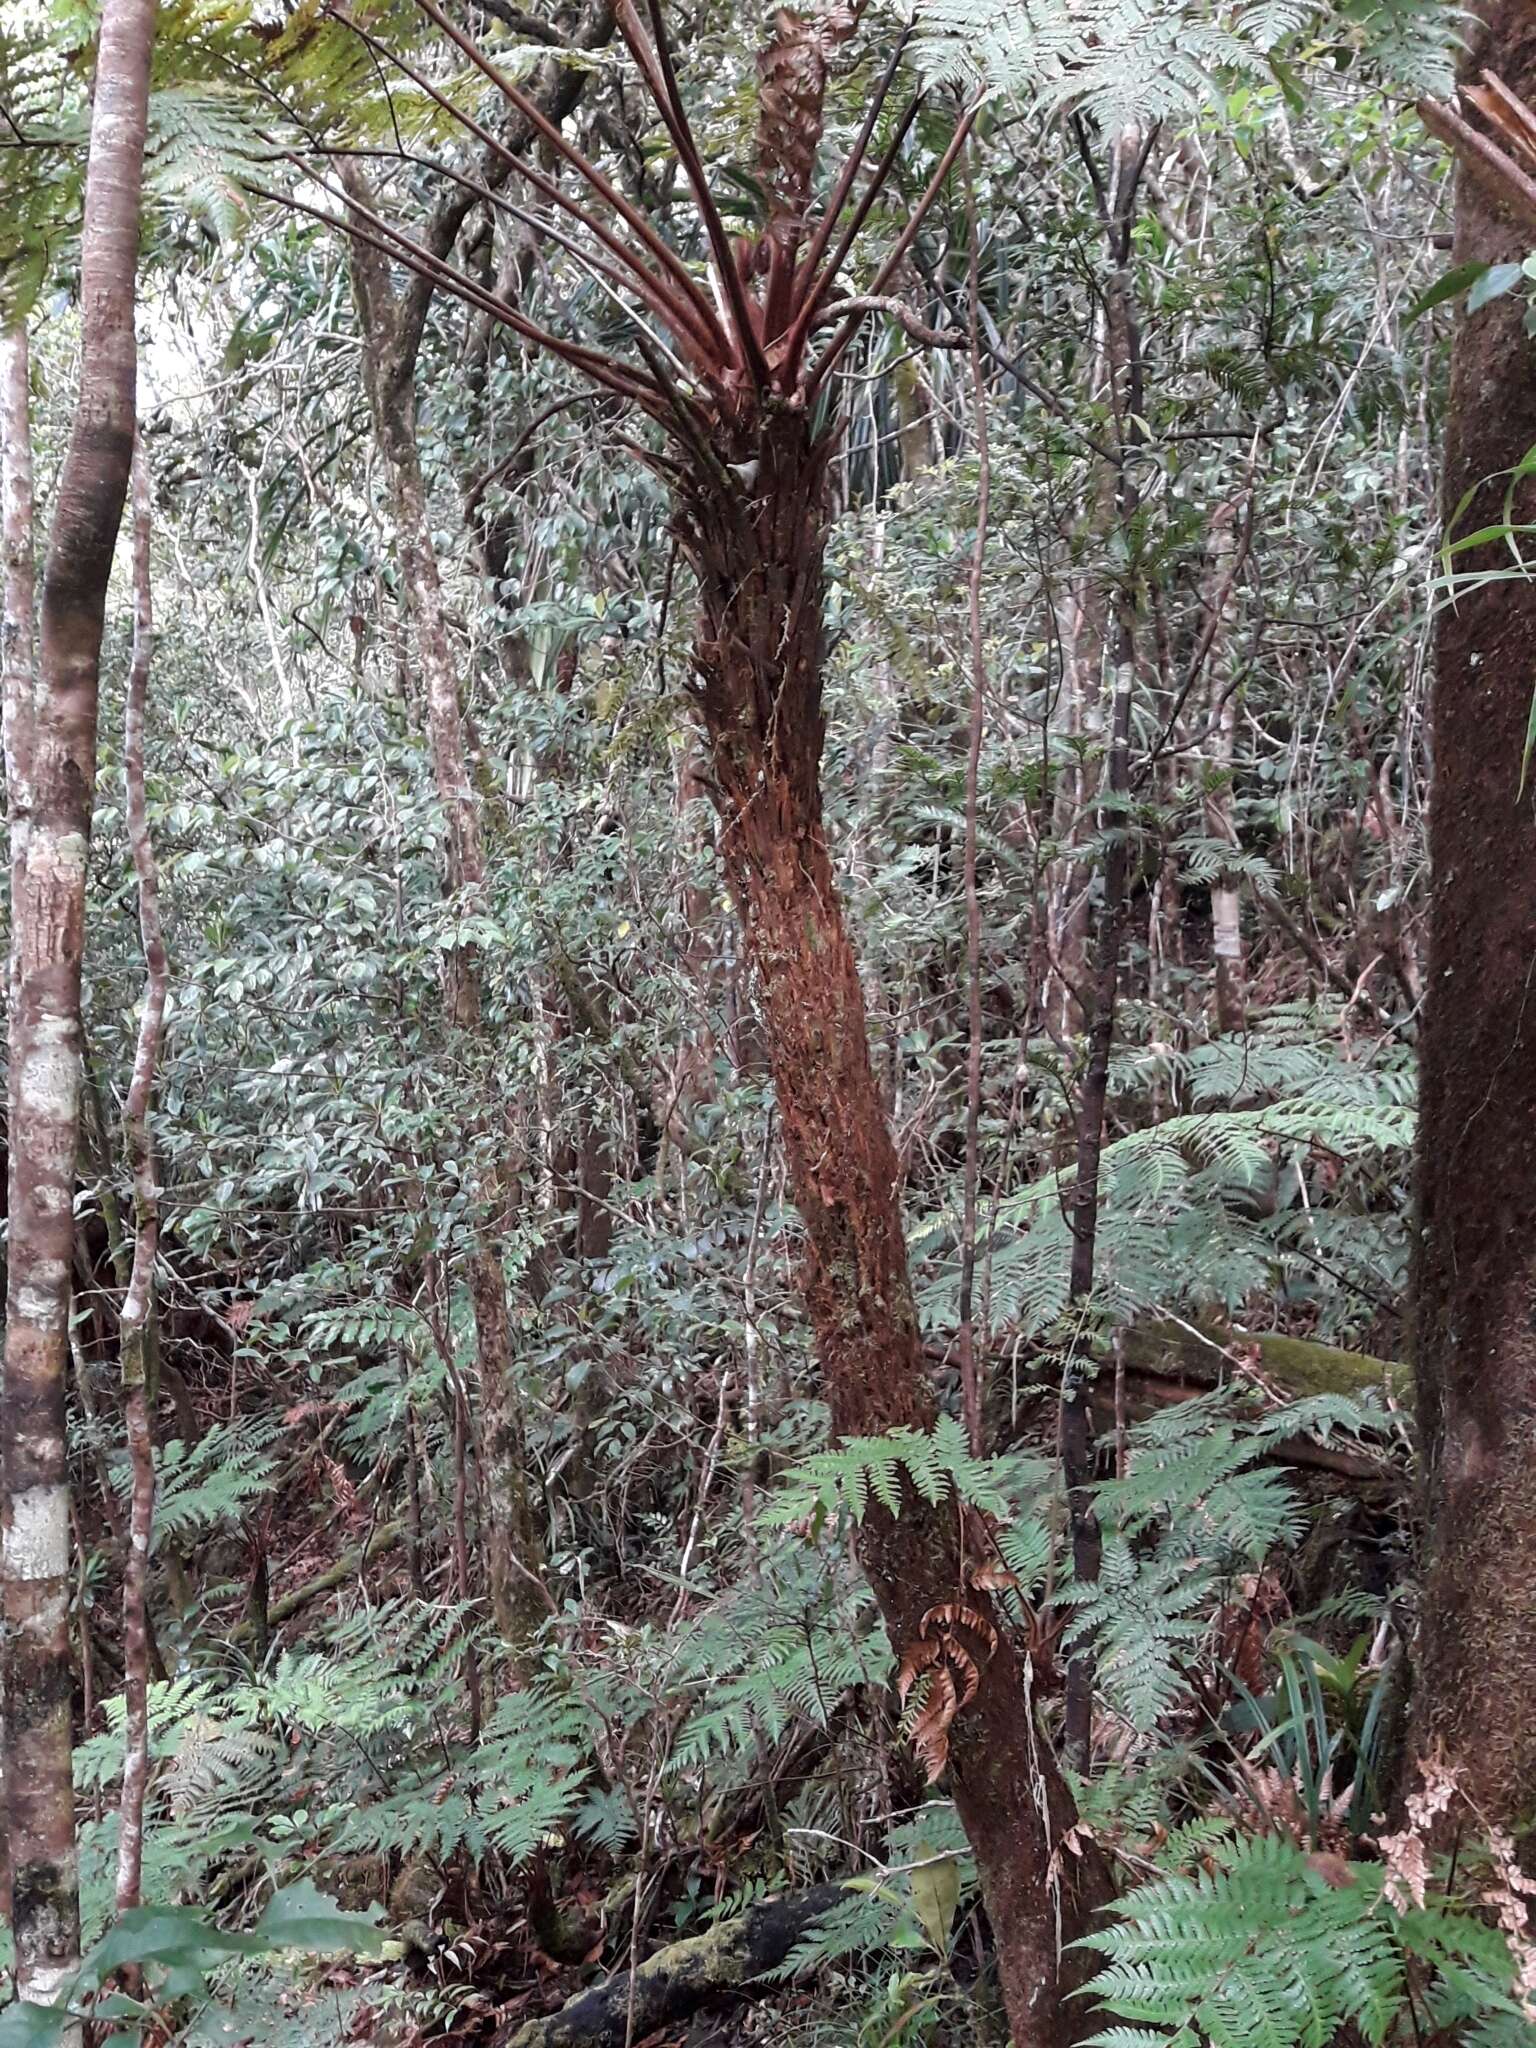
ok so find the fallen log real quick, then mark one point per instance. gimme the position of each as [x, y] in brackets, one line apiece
[1163, 1362]
[1212, 1354]
[673, 1983]
[1168, 1362]
[348, 1566]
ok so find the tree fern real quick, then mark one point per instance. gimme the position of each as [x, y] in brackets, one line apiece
[860, 1472]
[1139, 61]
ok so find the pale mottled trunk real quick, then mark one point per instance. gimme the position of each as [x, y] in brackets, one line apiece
[18, 665]
[514, 1547]
[136, 1324]
[18, 624]
[47, 925]
[1229, 968]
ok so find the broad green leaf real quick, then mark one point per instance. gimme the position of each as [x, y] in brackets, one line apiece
[1451, 286]
[935, 1899]
[1495, 281]
[301, 1917]
[167, 1935]
[31, 2026]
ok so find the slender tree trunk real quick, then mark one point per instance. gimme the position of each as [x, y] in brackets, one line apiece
[18, 628]
[47, 926]
[1229, 970]
[393, 325]
[514, 1545]
[971, 1354]
[1101, 998]
[136, 1324]
[18, 663]
[1474, 1278]
[759, 659]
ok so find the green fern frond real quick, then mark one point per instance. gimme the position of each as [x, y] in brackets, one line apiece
[861, 1472]
[1127, 61]
[214, 1480]
[1138, 61]
[1259, 1952]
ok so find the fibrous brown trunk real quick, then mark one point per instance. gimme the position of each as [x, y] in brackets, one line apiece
[1475, 1259]
[53, 809]
[758, 553]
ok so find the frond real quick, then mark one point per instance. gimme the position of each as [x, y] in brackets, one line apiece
[1257, 1951]
[201, 1485]
[1132, 62]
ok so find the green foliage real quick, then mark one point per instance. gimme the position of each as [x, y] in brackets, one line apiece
[1320, 1727]
[178, 1950]
[1202, 1208]
[1196, 1509]
[212, 1481]
[706, 1717]
[1263, 1949]
[1131, 62]
[205, 126]
[861, 1471]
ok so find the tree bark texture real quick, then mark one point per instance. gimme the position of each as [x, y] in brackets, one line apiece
[1474, 1279]
[1101, 993]
[18, 622]
[758, 551]
[18, 667]
[47, 924]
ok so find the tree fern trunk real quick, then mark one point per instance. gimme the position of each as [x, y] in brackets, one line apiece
[758, 551]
